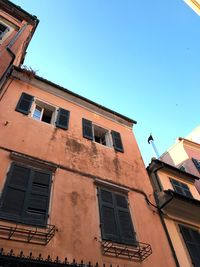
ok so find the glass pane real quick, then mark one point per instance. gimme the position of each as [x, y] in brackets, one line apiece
[37, 113]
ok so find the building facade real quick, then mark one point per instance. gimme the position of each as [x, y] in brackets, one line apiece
[16, 29]
[74, 189]
[185, 154]
[179, 204]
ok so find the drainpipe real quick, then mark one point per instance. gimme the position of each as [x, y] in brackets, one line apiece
[162, 220]
[13, 56]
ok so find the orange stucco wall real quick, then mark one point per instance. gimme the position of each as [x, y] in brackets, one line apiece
[74, 205]
[18, 46]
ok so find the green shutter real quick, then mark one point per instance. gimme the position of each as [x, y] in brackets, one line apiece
[24, 103]
[127, 234]
[62, 118]
[14, 193]
[87, 129]
[37, 205]
[109, 228]
[117, 141]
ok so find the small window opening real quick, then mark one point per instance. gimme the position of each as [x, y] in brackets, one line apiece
[3, 30]
[43, 112]
[101, 136]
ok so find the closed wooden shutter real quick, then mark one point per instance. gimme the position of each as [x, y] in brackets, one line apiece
[87, 129]
[117, 142]
[192, 241]
[62, 118]
[116, 223]
[14, 194]
[26, 195]
[24, 103]
[36, 211]
[109, 226]
[124, 220]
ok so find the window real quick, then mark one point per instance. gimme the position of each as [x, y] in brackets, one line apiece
[116, 223]
[181, 188]
[3, 30]
[182, 168]
[42, 111]
[196, 163]
[192, 241]
[101, 135]
[25, 197]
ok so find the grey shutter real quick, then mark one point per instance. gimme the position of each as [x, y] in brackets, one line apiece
[87, 129]
[196, 163]
[192, 241]
[62, 118]
[127, 234]
[181, 188]
[117, 142]
[36, 211]
[24, 103]
[109, 228]
[14, 193]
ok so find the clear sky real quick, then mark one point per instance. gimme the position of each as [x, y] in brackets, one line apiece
[140, 58]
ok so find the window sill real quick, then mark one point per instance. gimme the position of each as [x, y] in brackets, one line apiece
[138, 252]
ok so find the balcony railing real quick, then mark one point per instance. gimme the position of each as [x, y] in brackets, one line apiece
[138, 252]
[25, 233]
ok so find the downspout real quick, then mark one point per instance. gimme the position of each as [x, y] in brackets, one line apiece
[13, 56]
[162, 220]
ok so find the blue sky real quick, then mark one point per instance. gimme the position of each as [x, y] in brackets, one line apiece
[140, 58]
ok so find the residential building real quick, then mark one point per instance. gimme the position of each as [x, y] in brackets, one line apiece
[194, 4]
[179, 204]
[16, 29]
[74, 188]
[185, 154]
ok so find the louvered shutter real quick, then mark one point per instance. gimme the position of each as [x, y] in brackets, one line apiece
[62, 118]
[196, 163]
[181, 188]
[192, 241]
[14, 194]
[127, 234]
[24, 103]
[117, 142]
[109, 228]
[87, 129]
[36, 211]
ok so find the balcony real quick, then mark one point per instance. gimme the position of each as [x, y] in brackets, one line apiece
[26, 233]
[182, 207]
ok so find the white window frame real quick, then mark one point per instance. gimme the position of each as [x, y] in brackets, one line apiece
[108, 138]
[43, 105]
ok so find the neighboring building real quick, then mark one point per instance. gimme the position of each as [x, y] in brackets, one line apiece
[194, 4]
[179, 204]
[16, 30]
[185, 154]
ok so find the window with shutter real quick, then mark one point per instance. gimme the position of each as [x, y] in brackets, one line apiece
[192, 240]
[26, 195]
[116, 223]
[181, 188]
[196, 163]
[3, 30]
[101, 135]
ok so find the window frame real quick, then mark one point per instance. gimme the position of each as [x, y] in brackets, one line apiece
[182, 186]
[7, 29]
[118, 238]
[29, 190]
[191, 233]
[42, 104]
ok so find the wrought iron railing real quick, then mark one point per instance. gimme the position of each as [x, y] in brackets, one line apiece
[138, 252]
[25, 233]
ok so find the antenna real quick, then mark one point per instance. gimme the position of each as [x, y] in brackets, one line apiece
[151, 141]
